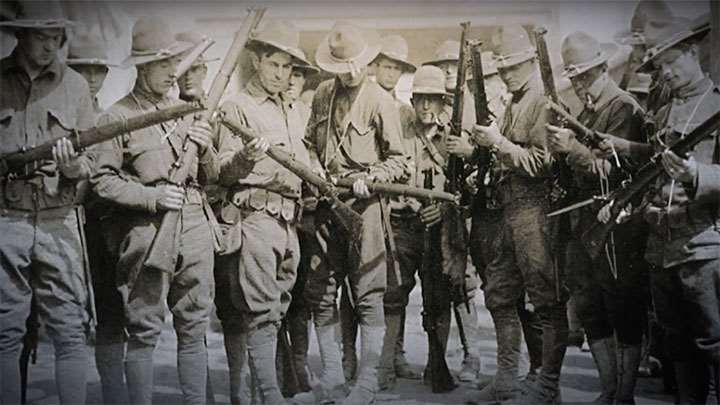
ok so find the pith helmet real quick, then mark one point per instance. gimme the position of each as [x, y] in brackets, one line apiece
[663, 35]
[394, 47]
[645, 11]
[281, 35]
[195, 39]
[347, 48]
[511, 46]
[33, 14]
[448, 51]
[581, 52]
[152, 41]
[429, 79]
[88, 50]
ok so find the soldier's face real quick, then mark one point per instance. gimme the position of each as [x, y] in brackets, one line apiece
[274, 71]
[428, 107]
[388, 73]
[94, 75]
[583, 82]
[679, 67]
[40, 46]
[353, 79]
[297, 82]
[191, 83]
[450, 69]
[159, 76]
[516, 76]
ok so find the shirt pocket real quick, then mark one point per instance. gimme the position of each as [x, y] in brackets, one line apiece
[361, 144]
[11, 139]
[59, 123]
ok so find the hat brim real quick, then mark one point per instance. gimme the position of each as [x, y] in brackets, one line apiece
[606, 52]
[175, 49]
[36, 24]
[429, 90]
[631, 38]
[325, 60]
[90, 61]
[296, 53]
[436, 62]
[308, 69]
[406, 66]
[202, 61]
[504, 63]
[656, 51]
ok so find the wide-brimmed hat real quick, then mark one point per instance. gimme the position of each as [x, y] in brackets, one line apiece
[306, 68]
[511, 46]
[429, 79]
[33, 14]
[645, 11]
[281, 35]
[152, 41]
[448, 51]
[489, 64]
[194, 38]
[663, 35]
[88, 50]
[347, 48]
[395, 48]
[581, 52]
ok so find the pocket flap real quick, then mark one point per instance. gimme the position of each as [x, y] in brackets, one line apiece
[61, 118]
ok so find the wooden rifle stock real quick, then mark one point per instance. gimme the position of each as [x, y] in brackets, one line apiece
[482, 117]
[404, 190]
[162, 254]
[586, 135]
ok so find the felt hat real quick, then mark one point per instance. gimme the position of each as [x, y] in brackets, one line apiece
[281, 35]
[663, 35]
[448, 51]
[152, 41]
[581, 52]
[645, 11]
[195, 39]
[88, 50]
[511, 46]
[347, 48]
[395, 48]
[306, 68]
[429, 79]
[33, 14]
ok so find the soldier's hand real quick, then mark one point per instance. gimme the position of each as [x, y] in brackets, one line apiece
[486, 136]
[255, 149]
[201, 133]
[459, 146]
[611, 145]
[605, 214]
[430, 215]
[66, 158]
[360, 188]
[560, 139]
[679, 169]
[171, 198]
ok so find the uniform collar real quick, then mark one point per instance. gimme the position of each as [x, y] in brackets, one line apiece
[693, 90]
[601, 92]
[255, 89]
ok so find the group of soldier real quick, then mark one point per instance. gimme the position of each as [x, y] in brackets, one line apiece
[260, 245]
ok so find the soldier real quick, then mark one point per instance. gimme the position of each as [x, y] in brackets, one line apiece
[390, 64]
[43, 261]
[609, 291]
[133, 173]
[354, 132]
[446, 58]
[190, 84]
[87, 55]
[682, 211]
[525, 262]
[256, 275]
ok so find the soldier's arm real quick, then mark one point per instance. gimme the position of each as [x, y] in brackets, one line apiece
[311, 128]
[394, 165]
[707, 184]
[209, 164]
[232, 165]
[85, 119]
[111, 183]
[532, 159]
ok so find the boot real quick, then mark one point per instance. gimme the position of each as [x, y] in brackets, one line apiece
[348, 323]
[471, 362]
[109, 360]
[262, 345]
[603, 352]
[532, 331]
[236, 350]
[299, 335]
[139, 373]
[331, 387]
[442, 328]
[366, 386]
[71, 374]
[402, 368]
[192, 369]
[386, 371]
[628, 361]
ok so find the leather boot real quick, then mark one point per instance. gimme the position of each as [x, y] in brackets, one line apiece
[442, 328]
[349, 327]
[402, 367]
[386, 370]
[546, 388]
[532, 331]
[471, 362]
[628, 361]
[236, 350]
[262, 345]
[192, 370]
[139, 374]
[109, 359]
[366, 385]
[331, 386]
[71, 365]
[603, 352]
[299, 336]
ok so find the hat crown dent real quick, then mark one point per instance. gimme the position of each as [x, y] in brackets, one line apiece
[41, 11]
[279, 32]
[512, 39]
[429, 79]
[395, 46]
[87, 47]
[649, 10]
[448, 50]
[346, 42]
[151, 35]
[579, 48]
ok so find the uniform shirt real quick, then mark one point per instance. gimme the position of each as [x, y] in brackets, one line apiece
[131, 166]
[689, 228]
[34, 111]
[273, 118]
[356, 131]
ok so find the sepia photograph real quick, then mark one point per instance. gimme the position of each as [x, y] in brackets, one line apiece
[358, 202]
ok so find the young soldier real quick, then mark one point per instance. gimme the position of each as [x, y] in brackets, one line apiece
[133, 173]
[609, 291]
[682, 210]
[263, 203]
[354, 132]
[190, 84]
[42, 250]
[525, 262]
[87, 55]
